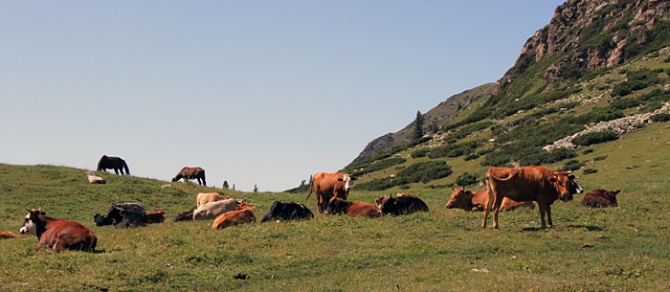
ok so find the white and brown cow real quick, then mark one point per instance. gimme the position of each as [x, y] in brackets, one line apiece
[214, 209]
[328, 185]
[58, 234]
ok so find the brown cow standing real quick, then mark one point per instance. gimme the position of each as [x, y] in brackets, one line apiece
[156, 217]
[7, 234]
[600, 198]
[191, 173]
[58, 234]
[476, 201]
[528, 183]
[352, 208]
[328, 185]
[243, 214]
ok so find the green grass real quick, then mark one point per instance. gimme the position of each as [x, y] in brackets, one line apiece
[615, 249]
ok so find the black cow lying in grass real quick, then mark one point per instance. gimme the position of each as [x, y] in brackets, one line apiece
[402, 204]
[287, 211]
[126, 214]
[186, 216]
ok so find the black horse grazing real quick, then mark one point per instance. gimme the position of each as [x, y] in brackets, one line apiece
[116, 163]
[191, 173]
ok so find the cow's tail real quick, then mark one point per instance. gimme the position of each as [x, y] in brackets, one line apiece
[125, 166]
[311, 182]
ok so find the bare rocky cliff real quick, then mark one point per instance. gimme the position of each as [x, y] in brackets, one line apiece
[590, 34]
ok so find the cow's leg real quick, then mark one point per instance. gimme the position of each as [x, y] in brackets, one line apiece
[496, 210]
[116, 170]
[551, 224]
[489, 203]
[543, 209]
[319, 198]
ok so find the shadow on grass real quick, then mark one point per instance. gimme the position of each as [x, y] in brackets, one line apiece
[589, 228]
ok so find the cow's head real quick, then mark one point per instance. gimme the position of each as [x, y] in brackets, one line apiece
[381, 200]
[334, 206]
[30, 222]
[347, 181]
[563, 182]
[574, 187]
[611, 196]
[386, 204]
[460, 199]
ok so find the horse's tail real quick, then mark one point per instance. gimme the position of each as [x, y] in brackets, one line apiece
[125, 166]
[101, 163]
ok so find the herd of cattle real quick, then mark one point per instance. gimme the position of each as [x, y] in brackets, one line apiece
[506, 189]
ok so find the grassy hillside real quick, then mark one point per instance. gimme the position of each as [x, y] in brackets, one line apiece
[612, 249]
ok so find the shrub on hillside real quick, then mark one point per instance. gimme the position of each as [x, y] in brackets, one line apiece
[420, 153]
[379, 165]
[660, 118]
[425, 171]
[595, 138]
[590, 170]
[467, 179]
[572, 165]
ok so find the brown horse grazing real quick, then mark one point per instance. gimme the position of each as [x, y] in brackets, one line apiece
[191, 173]
[112, 162]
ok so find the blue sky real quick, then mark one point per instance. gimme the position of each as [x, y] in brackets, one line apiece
[256, 92]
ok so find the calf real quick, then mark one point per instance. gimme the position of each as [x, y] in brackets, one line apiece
[287, 211]
[600, 198]
[402, 204]
[156, 217]
[6, 234]
[214, 209]
[204, 198]
[476, 201]
[186, 216]
[58, 234]
[352, 208]
[242, 214]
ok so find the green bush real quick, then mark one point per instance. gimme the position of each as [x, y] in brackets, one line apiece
[425, 171]
[587, 151]
[420, 153]
[467, 179]
[471, 157]
[378, 165]
[572, 165]
[600, 158]
[595, 138]
[590, 170]
[660, 117]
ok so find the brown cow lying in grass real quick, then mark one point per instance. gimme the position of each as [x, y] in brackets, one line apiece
[352, 208]
[156, 217]
[243, 214]
[58, 234]
[600, 198]
[476, 201]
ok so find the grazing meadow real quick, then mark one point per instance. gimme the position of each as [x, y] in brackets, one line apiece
[606, 249]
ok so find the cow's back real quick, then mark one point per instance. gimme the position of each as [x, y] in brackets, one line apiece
[233, 218]
[357, 209]
[214, 209]
[64, 234]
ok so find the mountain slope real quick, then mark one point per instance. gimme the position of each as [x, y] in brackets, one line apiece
[598, 67]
